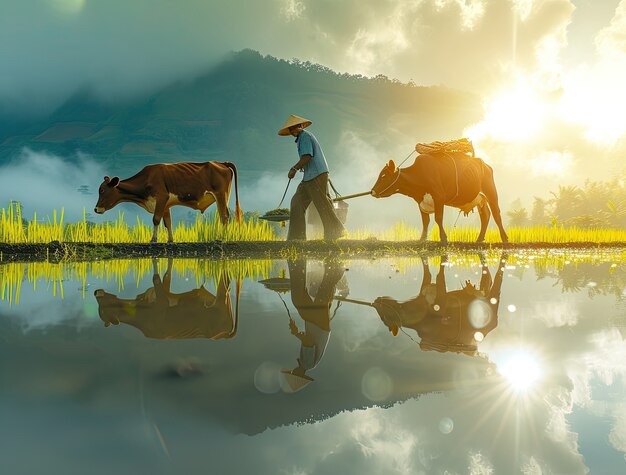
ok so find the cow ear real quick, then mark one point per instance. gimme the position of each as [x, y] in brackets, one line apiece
[394, 330]
[114, 182]
[107, 179]
[391, 165]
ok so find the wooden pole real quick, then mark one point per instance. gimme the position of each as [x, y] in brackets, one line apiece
[347, 197]
[358, 302]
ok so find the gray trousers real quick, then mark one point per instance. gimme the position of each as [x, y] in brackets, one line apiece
[313, 191]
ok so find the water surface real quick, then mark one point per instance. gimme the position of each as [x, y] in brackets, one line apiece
[447, 365]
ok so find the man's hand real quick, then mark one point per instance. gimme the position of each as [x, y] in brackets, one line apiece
[293, 327]
[292, 173]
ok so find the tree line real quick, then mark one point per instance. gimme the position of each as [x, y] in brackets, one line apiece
[594, 204]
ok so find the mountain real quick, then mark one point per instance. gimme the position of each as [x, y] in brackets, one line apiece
[232, 112]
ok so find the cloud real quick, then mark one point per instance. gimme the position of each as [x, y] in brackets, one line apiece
[43, 183]
[120, 49]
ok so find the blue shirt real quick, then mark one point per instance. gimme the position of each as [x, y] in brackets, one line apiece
[308, 145]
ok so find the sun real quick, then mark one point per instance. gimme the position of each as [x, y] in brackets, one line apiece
[512, 115]
[521, 369]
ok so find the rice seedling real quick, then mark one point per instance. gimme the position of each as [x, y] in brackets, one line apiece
[14, 229]
[548, 234]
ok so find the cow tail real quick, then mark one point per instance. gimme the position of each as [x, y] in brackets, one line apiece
[238, 212]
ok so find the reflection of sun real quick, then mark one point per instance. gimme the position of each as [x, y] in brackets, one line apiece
[68, 6]
[521, 369]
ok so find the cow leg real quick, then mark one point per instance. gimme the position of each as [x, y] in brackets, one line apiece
[427, 277]
[425, 223]
[167, 220]
[489, 188]
[485, 279]
[484, 214]
[156, 279]
[167, 277]
[222, 208]
[439, 221]
[159, 211]
[495, 210]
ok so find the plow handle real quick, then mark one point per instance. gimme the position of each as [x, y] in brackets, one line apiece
[347, 197]
[358, 302]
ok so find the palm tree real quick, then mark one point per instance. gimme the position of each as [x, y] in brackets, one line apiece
[567, 203]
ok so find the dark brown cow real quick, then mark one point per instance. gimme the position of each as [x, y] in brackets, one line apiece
[161, 314]
[156, 188]
[447, 321]
[450, 179]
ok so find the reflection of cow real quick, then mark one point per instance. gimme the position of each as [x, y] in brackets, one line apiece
[156, 188]
[451, 179]
[160, 314]
[447, 321]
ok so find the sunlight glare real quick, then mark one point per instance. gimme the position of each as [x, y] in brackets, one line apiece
[514, 115]
[68, 6]
[522, 370]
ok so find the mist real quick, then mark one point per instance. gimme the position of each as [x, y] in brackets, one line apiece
[42, 183]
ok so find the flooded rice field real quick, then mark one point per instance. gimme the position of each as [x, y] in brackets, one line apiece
[459, 363]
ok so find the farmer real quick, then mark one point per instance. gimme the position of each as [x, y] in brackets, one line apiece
[314, 185]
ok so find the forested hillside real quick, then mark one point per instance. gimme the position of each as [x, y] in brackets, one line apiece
[232, 112]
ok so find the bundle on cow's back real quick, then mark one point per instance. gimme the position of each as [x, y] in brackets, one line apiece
[158, 187]
[444, 174]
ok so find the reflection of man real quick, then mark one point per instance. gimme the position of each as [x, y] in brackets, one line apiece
[314, 185]
[447, 321]
[315, 311]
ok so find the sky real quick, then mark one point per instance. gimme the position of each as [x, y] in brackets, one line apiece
[51, 47]
[552, 73]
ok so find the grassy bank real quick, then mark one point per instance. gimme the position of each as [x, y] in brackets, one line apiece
[366, 249]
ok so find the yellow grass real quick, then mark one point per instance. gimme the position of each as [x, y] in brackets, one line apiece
[12, 230]
[52, 275]
[548, 234]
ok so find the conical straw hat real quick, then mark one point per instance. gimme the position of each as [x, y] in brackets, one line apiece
[291, 121]
[294, 382]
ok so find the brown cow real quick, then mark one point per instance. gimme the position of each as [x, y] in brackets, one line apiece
[156, 188]
[451, 179]
[447, 321]
[161, 314]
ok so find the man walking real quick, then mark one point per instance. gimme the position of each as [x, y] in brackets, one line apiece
[314, 185]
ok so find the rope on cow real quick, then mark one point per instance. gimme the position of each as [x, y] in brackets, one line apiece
[407, 157]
